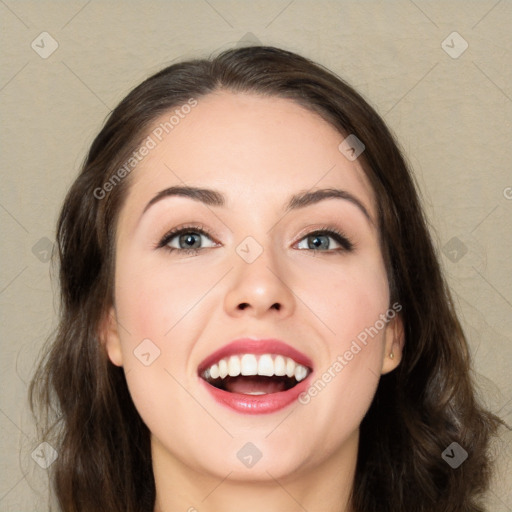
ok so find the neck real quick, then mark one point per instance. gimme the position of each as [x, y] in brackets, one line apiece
[326, 486]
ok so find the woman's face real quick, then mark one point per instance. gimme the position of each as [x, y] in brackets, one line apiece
[264, 269]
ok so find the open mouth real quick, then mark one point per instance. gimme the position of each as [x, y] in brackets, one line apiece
[252, 374]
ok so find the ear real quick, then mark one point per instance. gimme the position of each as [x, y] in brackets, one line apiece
[109, 337]
[393, 345]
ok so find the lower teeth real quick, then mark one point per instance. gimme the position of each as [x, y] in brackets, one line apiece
[256, 393]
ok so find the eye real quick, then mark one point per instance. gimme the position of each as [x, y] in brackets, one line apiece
[186, 239]
[319, 241]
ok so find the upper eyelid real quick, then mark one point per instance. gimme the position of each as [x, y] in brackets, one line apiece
[174, 232]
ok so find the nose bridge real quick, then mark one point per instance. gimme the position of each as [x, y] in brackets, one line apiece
[258, 282]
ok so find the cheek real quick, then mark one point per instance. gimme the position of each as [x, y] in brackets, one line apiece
[152, 298]
[152, 303]
[351, 300]
[352, 307]
[157, 306]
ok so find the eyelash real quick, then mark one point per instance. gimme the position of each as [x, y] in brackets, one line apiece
[346, 244]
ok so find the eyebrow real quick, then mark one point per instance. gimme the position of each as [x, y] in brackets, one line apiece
[212, 197]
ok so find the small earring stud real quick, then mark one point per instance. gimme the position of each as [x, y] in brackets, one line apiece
[391, 355]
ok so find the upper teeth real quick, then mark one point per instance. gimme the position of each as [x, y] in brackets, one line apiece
[250, 364]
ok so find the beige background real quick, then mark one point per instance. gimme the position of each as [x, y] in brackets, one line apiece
[451, 115]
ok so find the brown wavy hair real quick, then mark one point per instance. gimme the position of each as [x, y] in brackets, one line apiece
[81, 400]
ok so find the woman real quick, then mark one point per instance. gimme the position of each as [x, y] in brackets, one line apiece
[253, 314]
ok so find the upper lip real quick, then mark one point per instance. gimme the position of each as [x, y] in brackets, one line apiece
[255, 346]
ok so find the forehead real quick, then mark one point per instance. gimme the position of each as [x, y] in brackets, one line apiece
[249, 146]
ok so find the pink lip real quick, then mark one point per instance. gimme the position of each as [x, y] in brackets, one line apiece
[256, 404]
[257, 347]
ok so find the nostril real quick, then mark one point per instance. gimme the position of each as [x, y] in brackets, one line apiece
[244, 305]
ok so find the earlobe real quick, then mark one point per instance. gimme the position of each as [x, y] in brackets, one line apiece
[394, 343]
[109, 337]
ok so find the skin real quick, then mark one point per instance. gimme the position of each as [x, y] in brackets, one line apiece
[258, 152]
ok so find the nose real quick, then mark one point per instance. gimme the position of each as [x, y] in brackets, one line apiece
[260, 288]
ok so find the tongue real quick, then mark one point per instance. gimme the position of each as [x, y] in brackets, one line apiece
[254, 384]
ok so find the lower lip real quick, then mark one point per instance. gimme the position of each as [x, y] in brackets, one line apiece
[257, 404]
